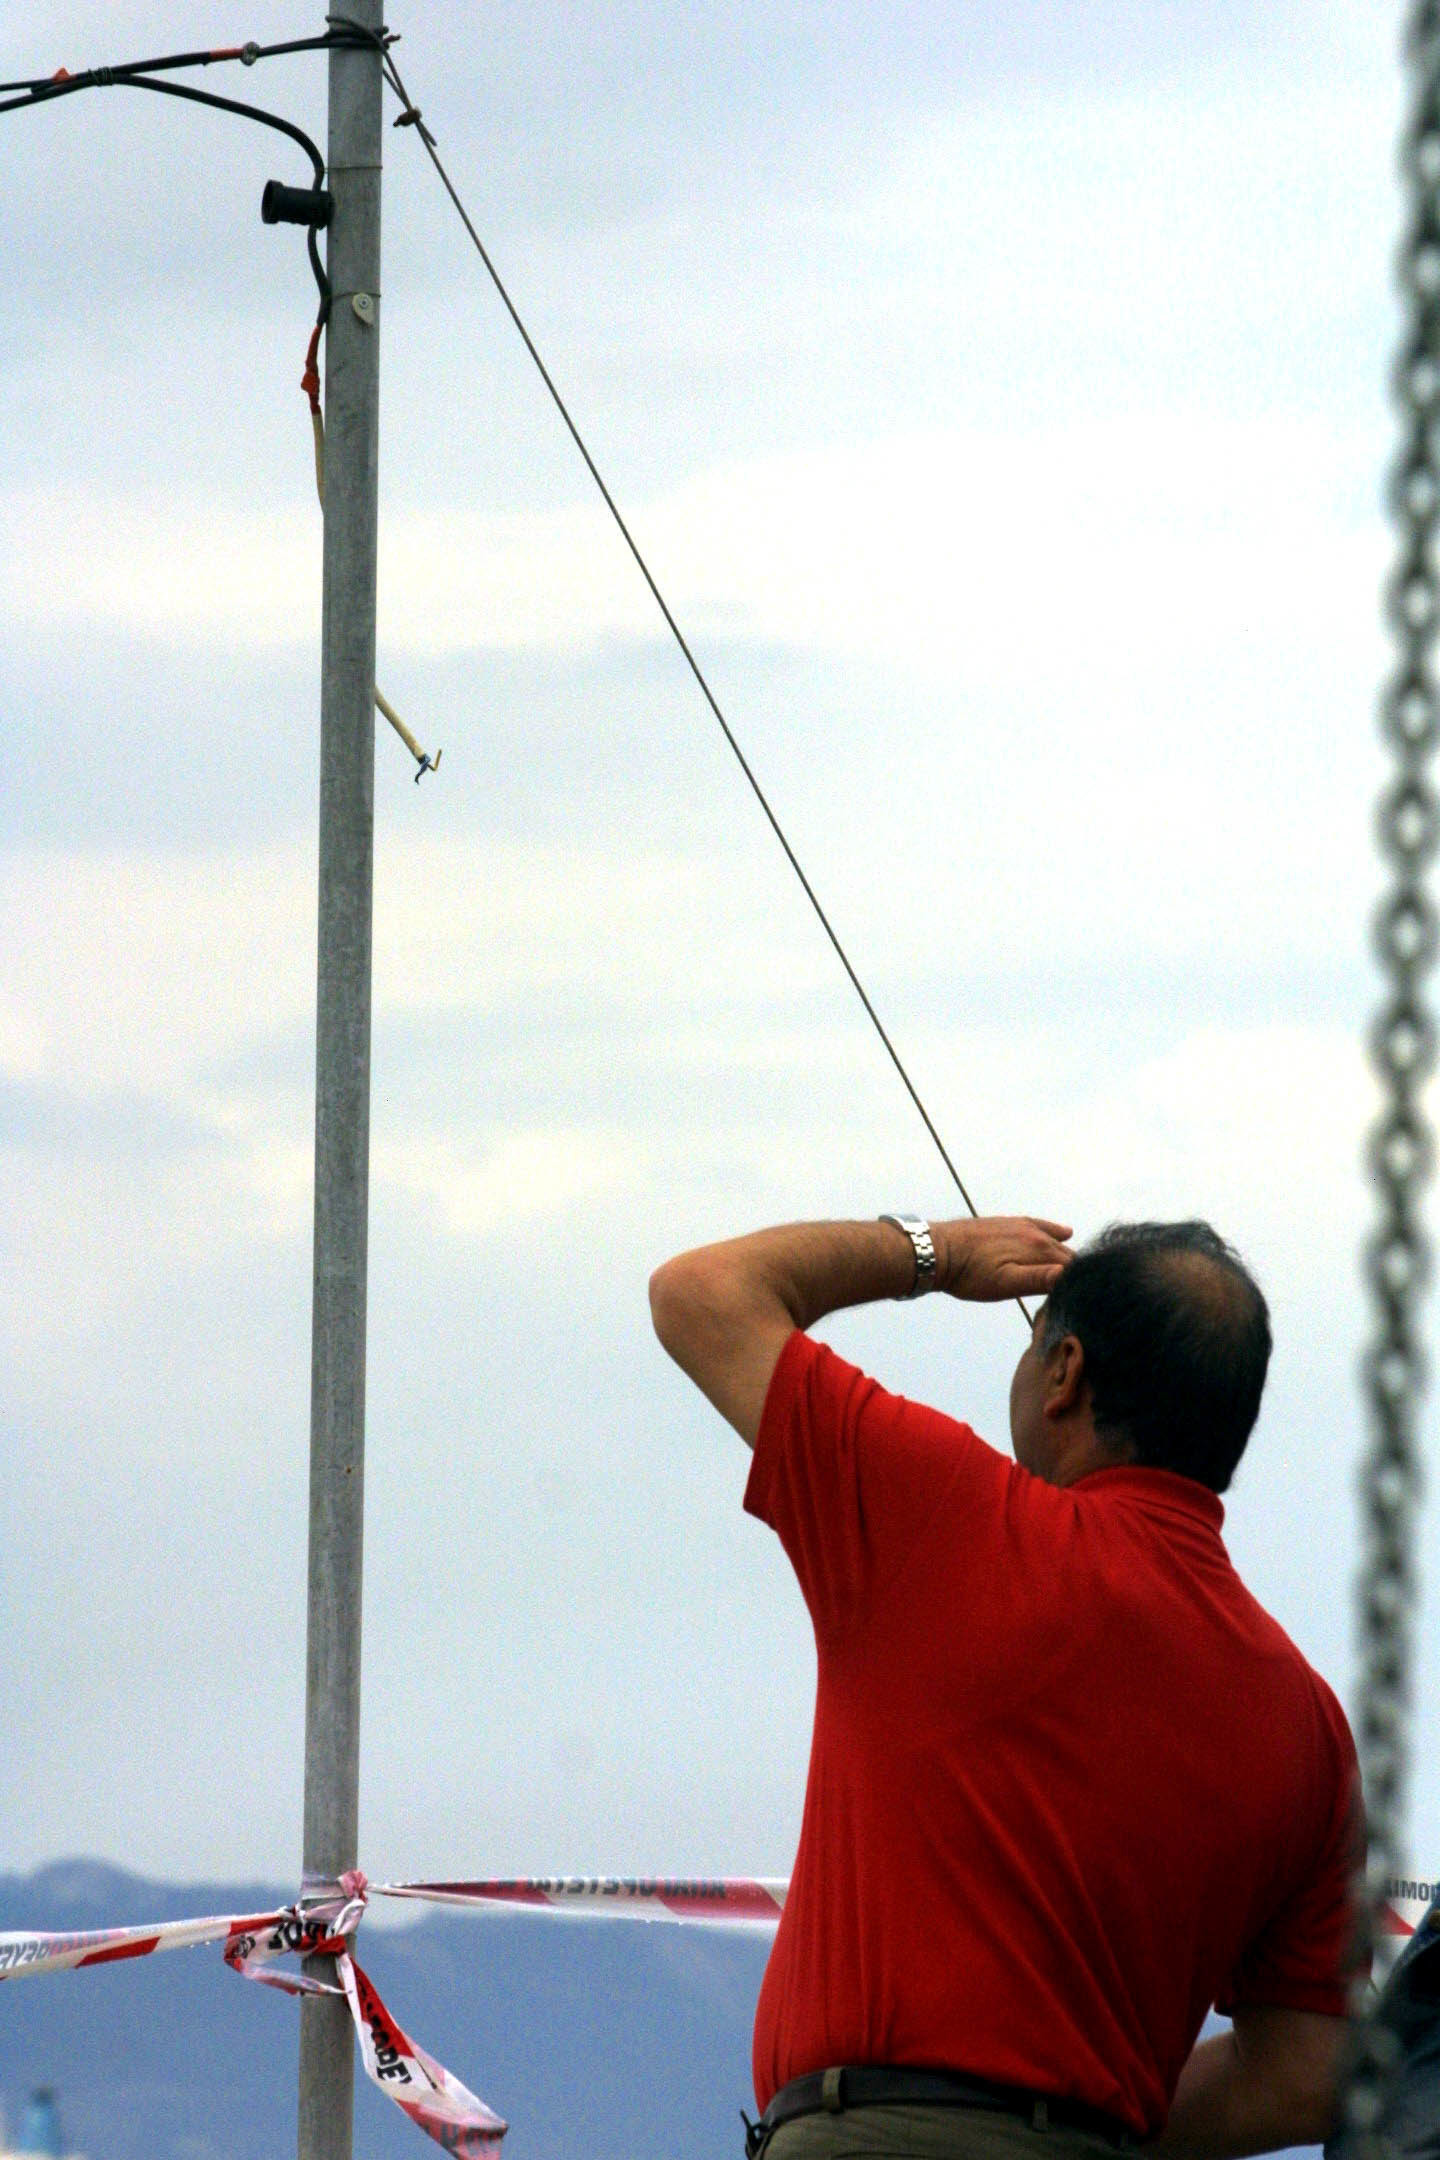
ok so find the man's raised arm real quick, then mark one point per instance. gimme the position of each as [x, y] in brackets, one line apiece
[725, 1312]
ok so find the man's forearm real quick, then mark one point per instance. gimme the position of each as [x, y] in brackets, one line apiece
[1232, 2100]
[1212, 2115]
[811, 1269]
[724, 1312]
[805, 1269]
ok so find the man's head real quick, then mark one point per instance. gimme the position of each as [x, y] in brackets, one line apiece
[1154, 1343]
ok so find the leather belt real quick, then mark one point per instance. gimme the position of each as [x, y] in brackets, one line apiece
[854, 2085]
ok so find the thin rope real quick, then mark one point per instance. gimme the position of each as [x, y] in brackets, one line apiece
[411, 117]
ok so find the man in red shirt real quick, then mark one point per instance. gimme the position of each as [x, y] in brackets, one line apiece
[1070, 1786]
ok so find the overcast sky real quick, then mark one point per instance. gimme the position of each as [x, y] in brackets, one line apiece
[999, 390]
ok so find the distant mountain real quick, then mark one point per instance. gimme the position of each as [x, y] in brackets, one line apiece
[598, 2040]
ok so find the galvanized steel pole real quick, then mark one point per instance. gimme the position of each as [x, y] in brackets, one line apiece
[342, 1050]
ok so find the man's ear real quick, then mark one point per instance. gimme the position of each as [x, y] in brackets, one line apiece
[1064, 1376]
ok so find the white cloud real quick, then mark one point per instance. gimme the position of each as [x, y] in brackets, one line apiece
[157, 565]
[1127, 544]
[135, 969]
[22, 1040]
[147, 971]
[475, 1187]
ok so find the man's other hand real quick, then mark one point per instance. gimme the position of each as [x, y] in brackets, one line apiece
[1000, 1256]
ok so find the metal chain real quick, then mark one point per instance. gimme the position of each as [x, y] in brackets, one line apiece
[1403, 1052]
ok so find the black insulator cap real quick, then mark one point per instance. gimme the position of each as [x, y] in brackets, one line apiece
[281, 205]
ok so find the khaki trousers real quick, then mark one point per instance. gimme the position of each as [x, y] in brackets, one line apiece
[896, 2132]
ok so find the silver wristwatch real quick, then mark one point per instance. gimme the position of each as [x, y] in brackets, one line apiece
[917, 1230]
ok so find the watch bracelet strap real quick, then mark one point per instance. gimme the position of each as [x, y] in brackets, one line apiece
[922, 1244]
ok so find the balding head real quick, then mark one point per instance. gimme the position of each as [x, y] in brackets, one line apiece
[1176, 1336]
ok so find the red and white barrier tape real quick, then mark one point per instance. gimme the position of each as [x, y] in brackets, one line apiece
[1406, 1905]
[318, 1923]
[326, 1915]
[746, 1901]
[433, 2098]
[23, 1954]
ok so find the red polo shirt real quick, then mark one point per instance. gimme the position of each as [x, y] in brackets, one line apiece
[1069, 1784]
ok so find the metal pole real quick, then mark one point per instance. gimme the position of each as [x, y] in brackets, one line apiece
[342, 1052]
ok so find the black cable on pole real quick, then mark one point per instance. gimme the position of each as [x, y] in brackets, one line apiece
[131, 77]
[232, 105]
[41, 88]
[411, 117]
[267, 119]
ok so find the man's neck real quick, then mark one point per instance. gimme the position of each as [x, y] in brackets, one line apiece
[1082, 1452]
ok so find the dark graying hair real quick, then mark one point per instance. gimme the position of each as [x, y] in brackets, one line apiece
[1176, 1335]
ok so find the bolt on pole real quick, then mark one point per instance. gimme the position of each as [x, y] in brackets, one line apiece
[342, 1052]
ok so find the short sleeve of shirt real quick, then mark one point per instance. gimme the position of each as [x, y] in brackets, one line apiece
[1298, 1961]
[850, 1477]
